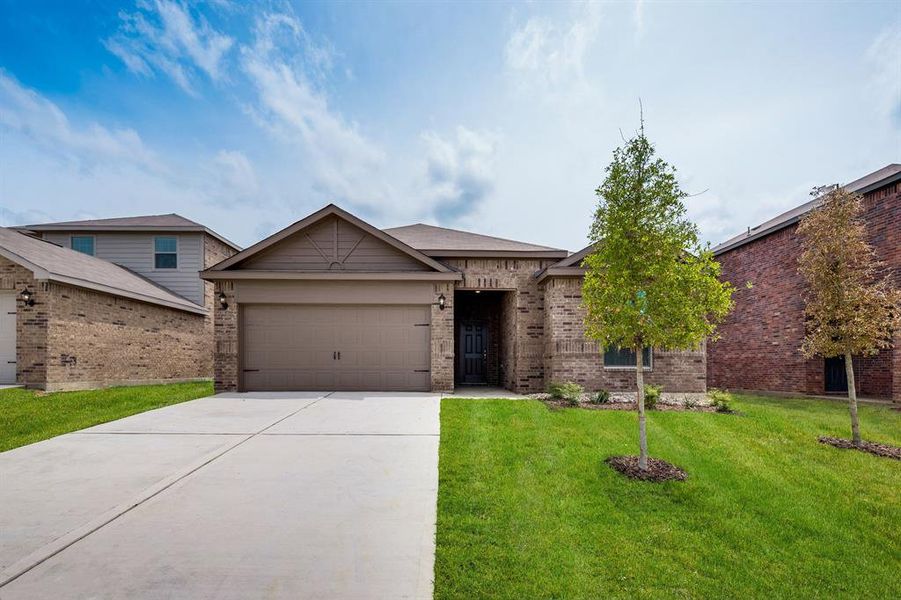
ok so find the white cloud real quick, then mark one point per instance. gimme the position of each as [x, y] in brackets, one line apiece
[550, 57]
[29, 114]
[459, 172]
[638, 18]
[282, 64]
[164, 36]
[884, 55]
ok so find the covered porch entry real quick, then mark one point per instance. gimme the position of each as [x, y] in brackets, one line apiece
[483, 342]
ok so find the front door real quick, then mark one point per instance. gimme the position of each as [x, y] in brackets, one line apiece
[835, 377]
[473, 352]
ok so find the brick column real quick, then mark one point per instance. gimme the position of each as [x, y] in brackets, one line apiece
[442, 347]
[225, 329]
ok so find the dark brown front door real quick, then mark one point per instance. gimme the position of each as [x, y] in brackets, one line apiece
[836, 379]
[473, 352]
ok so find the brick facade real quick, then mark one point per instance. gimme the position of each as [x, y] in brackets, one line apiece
[569, 356]
[442, 340]
[522, 315]
[214, 251]
[225, 359]
[74, 338]
[758, 348]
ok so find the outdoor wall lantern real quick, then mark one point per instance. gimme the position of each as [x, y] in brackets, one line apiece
[223, 301]
[441, 301]
[27, 297]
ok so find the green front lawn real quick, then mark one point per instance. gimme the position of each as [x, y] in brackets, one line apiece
[528, 509]
[27, 416]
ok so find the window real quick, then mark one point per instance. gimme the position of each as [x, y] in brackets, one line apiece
[624, 358]
[165, 253]
[82, 243]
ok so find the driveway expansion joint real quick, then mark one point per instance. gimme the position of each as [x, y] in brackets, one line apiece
[48, 551]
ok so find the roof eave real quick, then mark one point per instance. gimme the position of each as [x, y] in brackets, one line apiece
[212, 275]
[438, 253]
[560, 272]
[130, 229]
[42, 274]
[727, 246]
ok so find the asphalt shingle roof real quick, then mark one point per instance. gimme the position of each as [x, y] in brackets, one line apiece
[170, 222]
[49, 261]
[431, 239]
[793, 215]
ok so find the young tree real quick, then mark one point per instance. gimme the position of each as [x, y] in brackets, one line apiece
[649, 282]
[851, 308]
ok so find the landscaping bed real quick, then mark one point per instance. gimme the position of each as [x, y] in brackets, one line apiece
[696, 402]
[657, 471]
[884, 450]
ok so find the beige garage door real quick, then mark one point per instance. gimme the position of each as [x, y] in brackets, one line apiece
[310, 347]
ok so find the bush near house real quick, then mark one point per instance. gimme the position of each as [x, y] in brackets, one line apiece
[569, 392]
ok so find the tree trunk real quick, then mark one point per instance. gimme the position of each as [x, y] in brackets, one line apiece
[642, 426]
[852, 400]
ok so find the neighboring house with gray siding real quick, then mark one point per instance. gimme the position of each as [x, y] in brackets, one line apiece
[88, 329]
[167, 249]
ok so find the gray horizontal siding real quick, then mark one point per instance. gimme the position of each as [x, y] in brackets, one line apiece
[134, 251]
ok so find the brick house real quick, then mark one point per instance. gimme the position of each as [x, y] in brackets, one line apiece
[758, 349]
[109, 302]
[333, 303]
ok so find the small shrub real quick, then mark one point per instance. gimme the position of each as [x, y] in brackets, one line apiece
[720, 400]
[652, 395]
[690, 403]
[569, 391]
[600, 397]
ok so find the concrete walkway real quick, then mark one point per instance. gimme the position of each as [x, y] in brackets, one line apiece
[300, 495]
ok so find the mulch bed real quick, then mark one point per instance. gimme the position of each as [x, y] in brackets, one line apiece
[658, 470]
[883, 450]
[552, 403]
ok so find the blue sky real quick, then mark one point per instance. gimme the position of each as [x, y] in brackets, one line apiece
[494, 117]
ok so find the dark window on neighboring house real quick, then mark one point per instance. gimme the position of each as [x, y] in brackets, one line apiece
[165, 253]
[82, 243]
[625, 358]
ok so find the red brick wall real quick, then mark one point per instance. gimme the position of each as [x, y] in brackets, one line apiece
[571, 357]
[758, 349]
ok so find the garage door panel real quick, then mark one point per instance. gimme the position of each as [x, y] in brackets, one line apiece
[294, 347]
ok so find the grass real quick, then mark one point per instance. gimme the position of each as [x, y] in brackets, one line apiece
[28, 416]
[528, 509]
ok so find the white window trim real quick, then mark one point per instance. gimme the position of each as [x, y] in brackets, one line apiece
[83, 235]
[647, 367]
[153, 266]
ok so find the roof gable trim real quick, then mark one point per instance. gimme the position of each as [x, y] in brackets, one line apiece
[317, 216]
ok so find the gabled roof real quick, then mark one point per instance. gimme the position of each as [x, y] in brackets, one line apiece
[882, 177]
[51, 262]
[571, 266]
[159, 223]
[216, 271]
[440, 241]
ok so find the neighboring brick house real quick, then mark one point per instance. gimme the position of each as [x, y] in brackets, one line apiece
[333, 303]
[147, 318]
[758, 348]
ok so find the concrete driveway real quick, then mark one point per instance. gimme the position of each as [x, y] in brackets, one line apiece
[274, 495]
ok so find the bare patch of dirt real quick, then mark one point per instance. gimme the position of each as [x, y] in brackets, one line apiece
[884, 450]
[657, 471]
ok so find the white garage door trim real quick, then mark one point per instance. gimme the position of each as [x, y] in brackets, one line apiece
[7, 337]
